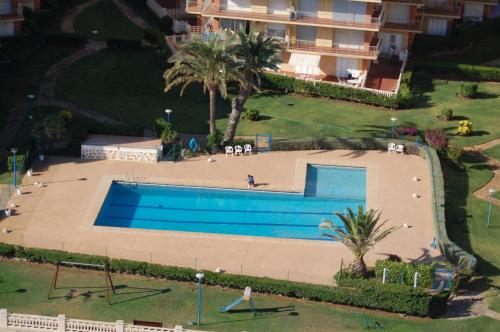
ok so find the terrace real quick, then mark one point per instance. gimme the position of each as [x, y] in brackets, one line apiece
[370, 52]
[440, 10]
[335, 20]
[409, 26]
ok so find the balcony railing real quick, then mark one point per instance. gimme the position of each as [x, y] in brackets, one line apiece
[440, 10]
[335, 48]
[299, 17]
[412, 25]
[411, 2]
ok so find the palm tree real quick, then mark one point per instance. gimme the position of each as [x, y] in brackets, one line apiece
[359, 233]
[206, 60]
[255, 53]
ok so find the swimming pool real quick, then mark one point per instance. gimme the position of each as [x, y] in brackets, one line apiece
[237, 212]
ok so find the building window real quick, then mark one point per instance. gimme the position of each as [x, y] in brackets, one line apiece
[235, 25]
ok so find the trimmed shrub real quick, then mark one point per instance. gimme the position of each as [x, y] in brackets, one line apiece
[446, 113]
[365, 293]
[290, 84]
[437, 138]
[214, 141]
[64, 38]
[474, 72]
[464, 128]
[123, 43]
[20, 163]
[454, 156]
[150, 35]
[467, 90]
[403, 273]
[252, 115]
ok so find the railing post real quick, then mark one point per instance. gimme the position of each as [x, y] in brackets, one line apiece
[120, 326]
[61, 323]
[3, 318]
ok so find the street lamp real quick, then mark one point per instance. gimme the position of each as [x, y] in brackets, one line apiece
[94, 37]
[393, 130]
[14, 180]
[168, 111]
[200, 277]
[31, 97]
[491, 191]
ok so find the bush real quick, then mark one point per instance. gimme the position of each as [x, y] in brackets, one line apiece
[473, 72]
[454, 156]
[464, 128]
[66, 115]
[214, 141]
[437, 138]
[425, 44]
[20, 163]
[446, 113]
[407, 131]
[467, 90]
[404, 273]
[252, 115]
[365, 293]
[290, 84]
[123, 43]
[64, 38]
[166, 25]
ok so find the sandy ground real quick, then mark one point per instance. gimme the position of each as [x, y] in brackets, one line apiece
[61, 213]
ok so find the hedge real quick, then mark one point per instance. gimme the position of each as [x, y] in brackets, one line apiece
[479, 73]
[20, 163]
[290, 84]
[123, 43]
[398, 272]
[389, 297]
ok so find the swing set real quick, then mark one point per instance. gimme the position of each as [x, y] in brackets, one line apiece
[104, 267]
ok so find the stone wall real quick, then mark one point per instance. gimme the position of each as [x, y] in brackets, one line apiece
[149, 155]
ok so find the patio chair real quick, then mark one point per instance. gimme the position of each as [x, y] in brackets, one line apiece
[400, 148]
[247, 148]
[229, 150]
[238, 150]
[391, 147]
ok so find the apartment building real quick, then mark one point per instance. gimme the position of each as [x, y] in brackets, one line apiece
[11, 15]
[333, 40]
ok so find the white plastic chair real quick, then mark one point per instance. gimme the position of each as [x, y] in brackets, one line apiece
[247, 148]
[238, 150]
[400, 148]
[391, 147]
[229, 150]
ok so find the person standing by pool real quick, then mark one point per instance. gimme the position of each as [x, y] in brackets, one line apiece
[251, 181]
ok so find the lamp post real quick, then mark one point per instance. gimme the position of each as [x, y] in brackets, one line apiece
[393, 130]
[31, 97]
[200, 277]
[168, 111]
[491, 191]
[94, 38]
[14, 179]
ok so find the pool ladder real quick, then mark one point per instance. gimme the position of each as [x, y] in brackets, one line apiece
[129, 179]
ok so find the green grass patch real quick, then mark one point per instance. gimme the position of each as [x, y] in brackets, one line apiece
[24, 289]
[494, 152]
[140, 99]
[106, 18]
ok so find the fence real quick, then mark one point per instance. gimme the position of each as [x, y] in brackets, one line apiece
[61, 324]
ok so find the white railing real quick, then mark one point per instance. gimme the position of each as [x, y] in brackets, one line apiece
[359, 50]
[403, 66]
[60, 323]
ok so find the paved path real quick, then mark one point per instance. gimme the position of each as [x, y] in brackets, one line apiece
[478, 152]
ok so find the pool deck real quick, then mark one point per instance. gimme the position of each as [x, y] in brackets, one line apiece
[60, 214]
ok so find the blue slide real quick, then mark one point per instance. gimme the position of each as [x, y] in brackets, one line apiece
[231, 306]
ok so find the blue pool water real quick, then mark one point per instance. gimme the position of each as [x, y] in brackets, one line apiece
[240, 212]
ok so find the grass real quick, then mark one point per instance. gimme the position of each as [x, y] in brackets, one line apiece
[106, 18]
[140, 98]
[23, 288]
[494, 152]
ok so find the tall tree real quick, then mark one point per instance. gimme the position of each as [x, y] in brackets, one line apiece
[255, 52]
[206, 60]
[359, 233]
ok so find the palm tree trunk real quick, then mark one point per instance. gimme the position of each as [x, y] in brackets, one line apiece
[212, 91]
[237, 106]
[359, 266]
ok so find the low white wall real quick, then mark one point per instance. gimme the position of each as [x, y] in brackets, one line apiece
[156, 8]
[150, 155]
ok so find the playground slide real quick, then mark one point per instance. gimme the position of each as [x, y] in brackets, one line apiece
[232, 305]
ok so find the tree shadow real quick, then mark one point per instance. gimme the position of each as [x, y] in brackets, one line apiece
[271, 310]
[485, 95]
[261, 313]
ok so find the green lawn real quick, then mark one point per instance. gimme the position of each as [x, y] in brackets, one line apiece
[139, 99]
[108, 20]
[23, 288]
[494, 152]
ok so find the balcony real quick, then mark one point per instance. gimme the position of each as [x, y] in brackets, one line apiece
[193, 7]
[410, 26]
[11, 17]
[440, 10]
[370, 52]
[347, 21]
